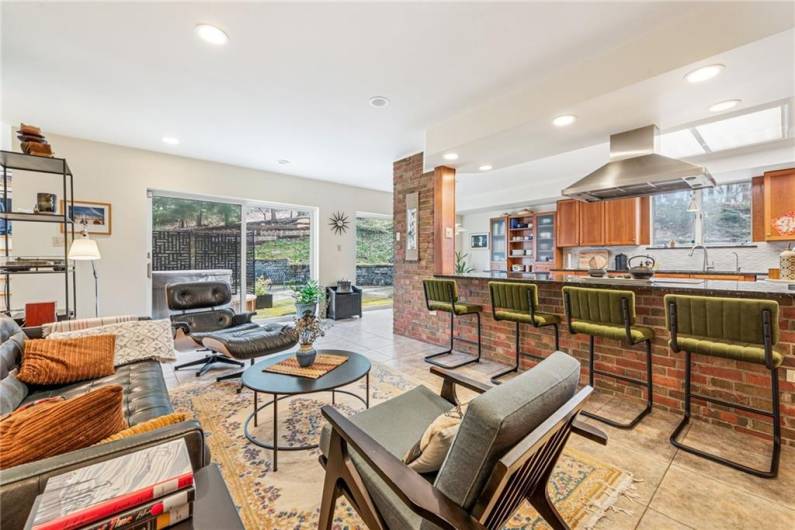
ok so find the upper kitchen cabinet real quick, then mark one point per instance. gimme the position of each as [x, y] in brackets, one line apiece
[605, 223]
[622, 221]
[567, 229]
[779, 205]
[592, 223]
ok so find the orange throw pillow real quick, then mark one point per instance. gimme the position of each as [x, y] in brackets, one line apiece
[53, 427]
[59, 361]
[147, 426]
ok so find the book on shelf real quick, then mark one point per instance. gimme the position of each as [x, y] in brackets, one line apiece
[86, 495]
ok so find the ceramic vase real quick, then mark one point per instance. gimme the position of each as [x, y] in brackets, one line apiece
[305, 355]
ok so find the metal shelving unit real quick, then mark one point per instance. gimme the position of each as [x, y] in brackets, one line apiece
[10, 160]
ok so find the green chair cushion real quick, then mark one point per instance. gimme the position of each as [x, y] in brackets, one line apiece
[737, 320]
[397, 424]
[512, 296]
[611, 331]
[738, 351]
[462, 308]
[599, 306]
[541, 319]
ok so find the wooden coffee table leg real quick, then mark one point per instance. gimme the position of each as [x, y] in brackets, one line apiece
[275, 432]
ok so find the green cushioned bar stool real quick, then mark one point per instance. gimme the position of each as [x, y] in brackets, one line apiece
[740, 329]
[518, 302]
[442, 295]
[610, 314]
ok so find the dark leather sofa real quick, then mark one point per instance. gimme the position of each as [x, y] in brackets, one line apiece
[145, 397]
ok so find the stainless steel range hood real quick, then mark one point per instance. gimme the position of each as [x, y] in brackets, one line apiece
[635, 169]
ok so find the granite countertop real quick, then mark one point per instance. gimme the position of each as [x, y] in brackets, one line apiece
[716, 287]
[673, 271]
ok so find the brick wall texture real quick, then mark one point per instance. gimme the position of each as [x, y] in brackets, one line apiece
[728, 380]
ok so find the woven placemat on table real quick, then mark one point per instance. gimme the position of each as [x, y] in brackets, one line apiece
[323, 364]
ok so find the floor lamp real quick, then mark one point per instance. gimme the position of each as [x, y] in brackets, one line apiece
[85, 249]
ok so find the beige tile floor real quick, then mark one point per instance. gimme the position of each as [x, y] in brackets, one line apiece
[674, 490]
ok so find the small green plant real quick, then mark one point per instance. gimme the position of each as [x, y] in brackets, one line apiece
[262, 285]
[307, 293]
[461, 265]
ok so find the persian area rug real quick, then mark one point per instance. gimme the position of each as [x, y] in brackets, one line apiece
[582, 489]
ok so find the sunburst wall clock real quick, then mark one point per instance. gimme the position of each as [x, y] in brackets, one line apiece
[338, 223]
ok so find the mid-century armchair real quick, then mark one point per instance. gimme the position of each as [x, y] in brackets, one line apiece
[504, 452]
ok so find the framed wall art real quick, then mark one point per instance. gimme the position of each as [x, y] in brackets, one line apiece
[479, 241]
[412, 226]
[95, 215]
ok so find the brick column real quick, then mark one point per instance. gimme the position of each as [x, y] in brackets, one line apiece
[410, 317]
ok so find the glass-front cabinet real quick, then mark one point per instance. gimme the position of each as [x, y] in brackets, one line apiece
[545, 240]
[497, 244]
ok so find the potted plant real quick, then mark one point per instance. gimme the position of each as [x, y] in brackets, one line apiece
[307, 295]
[461, 265]
[308, 328]
[262, 287]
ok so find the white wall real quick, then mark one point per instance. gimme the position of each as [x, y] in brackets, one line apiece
[121, 176]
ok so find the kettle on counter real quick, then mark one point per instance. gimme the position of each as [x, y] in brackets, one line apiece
[621, 262]
[645, 270]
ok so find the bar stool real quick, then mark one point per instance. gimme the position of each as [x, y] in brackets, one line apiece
[518, 302]
[442, 295]
[609, 314]
[732, 328]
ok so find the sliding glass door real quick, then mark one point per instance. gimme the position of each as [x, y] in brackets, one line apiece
[201, 239]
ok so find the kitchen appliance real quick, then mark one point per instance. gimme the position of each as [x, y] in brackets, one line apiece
[621, 262]
[645, 270]
[635, 169]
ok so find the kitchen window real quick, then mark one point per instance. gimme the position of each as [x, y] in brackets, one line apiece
[722, 216]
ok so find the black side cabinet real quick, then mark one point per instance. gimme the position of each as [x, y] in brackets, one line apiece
[344, 305]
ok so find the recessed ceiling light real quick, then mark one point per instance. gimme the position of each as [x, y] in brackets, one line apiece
[379, 102]
[485, 167]
[704, 73]
[564, 120]
[211, 34]
[450, 156]
[170, 140]
[282, 161]
[725, 105]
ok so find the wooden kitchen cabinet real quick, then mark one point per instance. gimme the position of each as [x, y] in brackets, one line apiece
[591, 220]
[779, 200]
[622, 221]
[567, 232]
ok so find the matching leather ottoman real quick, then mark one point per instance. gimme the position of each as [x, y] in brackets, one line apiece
[248, 344]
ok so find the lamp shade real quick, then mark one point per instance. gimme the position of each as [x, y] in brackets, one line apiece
[84, 249]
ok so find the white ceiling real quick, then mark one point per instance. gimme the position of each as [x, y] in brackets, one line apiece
[294, 80]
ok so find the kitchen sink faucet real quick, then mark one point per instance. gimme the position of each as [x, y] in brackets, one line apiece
[705, 266]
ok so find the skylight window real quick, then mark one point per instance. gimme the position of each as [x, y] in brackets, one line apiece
[680, 144]
[756, 127]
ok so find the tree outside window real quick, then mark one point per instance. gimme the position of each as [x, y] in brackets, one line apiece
[724, 219]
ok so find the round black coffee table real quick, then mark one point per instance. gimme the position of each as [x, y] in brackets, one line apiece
[282, 386]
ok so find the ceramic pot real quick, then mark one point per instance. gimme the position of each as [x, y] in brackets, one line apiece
[787, 264]
[301, 309]
[305, 355]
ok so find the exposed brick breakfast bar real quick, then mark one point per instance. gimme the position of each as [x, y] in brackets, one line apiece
[722, 378]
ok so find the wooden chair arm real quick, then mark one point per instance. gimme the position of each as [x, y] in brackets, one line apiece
[586, 430]
[466, 382]
[417, 493]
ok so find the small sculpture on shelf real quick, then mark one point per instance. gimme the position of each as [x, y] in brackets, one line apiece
[32, 141]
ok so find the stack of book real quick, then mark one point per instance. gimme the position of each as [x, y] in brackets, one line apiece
[146, 490]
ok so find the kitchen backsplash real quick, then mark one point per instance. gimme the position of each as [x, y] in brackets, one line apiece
[758, 258]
